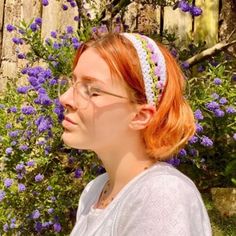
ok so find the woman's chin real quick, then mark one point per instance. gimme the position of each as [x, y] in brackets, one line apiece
[72, 141]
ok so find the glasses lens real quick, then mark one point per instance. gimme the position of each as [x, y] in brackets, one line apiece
[81, 95]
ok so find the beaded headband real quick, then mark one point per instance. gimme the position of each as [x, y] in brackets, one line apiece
[153, 65]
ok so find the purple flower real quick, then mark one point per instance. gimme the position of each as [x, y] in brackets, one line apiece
[8, 182]
[35, 214]
[73, 4]
[14, 134]
[23, 89]
[44, 99]
[5, 227]
[17, 41]
[10, 28]
[21, 187]
[50, 211]
[64, 7]
[234, 77]
[30, 163]
[8, 126]
[206, 142]
[12, 225]
[43, 123]
[78, 173]
[184, 6]
[13, 143]
[21, 56]
[230, 110]
[212, 105]
[33, 27]
[38, 21]
[223, 101]
[38, 178]
[193, 139]
[9, 150]
[219, 113]
[45, 2]
[195, 11]
[174, 161]
[76, 18]
[217, 81]
[198, 115]
[20, 167]
[69, 30]
[54, 34]
[13, 109]
[33, 81]
[28, 110]
[53, 198]
[199, 128]
[185, 65]
[57, 227]
[182, 153]
[56, 45]
[201, 68]
[2, 195]
[24, 147]
[215, 96]
[49, 188]
[38, 226]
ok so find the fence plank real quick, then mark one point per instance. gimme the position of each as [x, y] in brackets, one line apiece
[206, 25]
[178, 22]
[1, 28]
[54, 18]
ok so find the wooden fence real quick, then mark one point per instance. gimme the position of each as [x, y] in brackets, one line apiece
[187, 28]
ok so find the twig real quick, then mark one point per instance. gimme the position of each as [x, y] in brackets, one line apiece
[209, 52]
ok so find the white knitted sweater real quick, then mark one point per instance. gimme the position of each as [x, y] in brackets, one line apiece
[160, 201]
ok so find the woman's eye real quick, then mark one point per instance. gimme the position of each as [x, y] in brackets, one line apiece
[94, 92]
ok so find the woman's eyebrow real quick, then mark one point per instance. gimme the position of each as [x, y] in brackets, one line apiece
[87, 78]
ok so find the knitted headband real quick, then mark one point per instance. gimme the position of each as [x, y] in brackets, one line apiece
[152, 65]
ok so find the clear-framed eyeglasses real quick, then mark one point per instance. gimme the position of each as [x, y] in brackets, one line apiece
[82, 92]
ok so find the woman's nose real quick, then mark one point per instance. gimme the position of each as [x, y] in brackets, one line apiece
[67, 99]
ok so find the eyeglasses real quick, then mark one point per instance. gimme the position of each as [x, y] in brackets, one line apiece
[82, 92]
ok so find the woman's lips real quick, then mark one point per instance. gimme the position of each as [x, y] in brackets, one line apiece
[68, 122]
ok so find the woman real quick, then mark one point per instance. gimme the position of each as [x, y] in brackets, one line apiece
[126, 104]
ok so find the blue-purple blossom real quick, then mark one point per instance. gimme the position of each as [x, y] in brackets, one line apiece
[12, 109]
[53, 198]
[199, 128]
[193, 139]
[185, 65]
[57, 227]
[14, 134]
[198, 115]
[45, 2]
[23, 89]
[38, 21]
[20, 167]
[182, 152]
[53, 34]
[215, 96]
[2, 195]
[212, 105]
[223, 101]
[33, 81]
[217, 81]
[9, 150]
[35, 214]
[10, 28]
[13, 143]
[21, 187]
[78, 173]
[24, 147]
[69, 30]
[30, 163]
[5, 227]
[76, 18]
[49, 188]
[234, 136]
[50, 211]
[73, 4]
[43, 123]
[38, 226]
[195, 11]
[21, 56]
[12, 225]
[39, 178]
[174, 161]
[56, 45]
[207, 142]
[64, 7]
[184, 6]
[17, 40]
[219, 113]
[28, 110]
[8, 182]
[230, 110]
[8, 126]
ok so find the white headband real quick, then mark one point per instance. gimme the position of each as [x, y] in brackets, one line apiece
[153, 65]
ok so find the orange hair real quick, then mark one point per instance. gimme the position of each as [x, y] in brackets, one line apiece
[173, 123]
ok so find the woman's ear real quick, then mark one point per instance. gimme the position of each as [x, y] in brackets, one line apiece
[142, 116]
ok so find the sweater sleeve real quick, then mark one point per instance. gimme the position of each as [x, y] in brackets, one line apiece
[164, 206]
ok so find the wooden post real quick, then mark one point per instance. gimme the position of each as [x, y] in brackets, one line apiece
[1, 28]
[206, 25]
[178, 22]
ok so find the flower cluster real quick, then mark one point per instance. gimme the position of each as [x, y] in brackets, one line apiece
[186, 7]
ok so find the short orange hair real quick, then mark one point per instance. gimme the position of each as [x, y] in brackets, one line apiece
[173, 123]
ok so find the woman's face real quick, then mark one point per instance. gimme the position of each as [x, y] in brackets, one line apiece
[103, 122]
